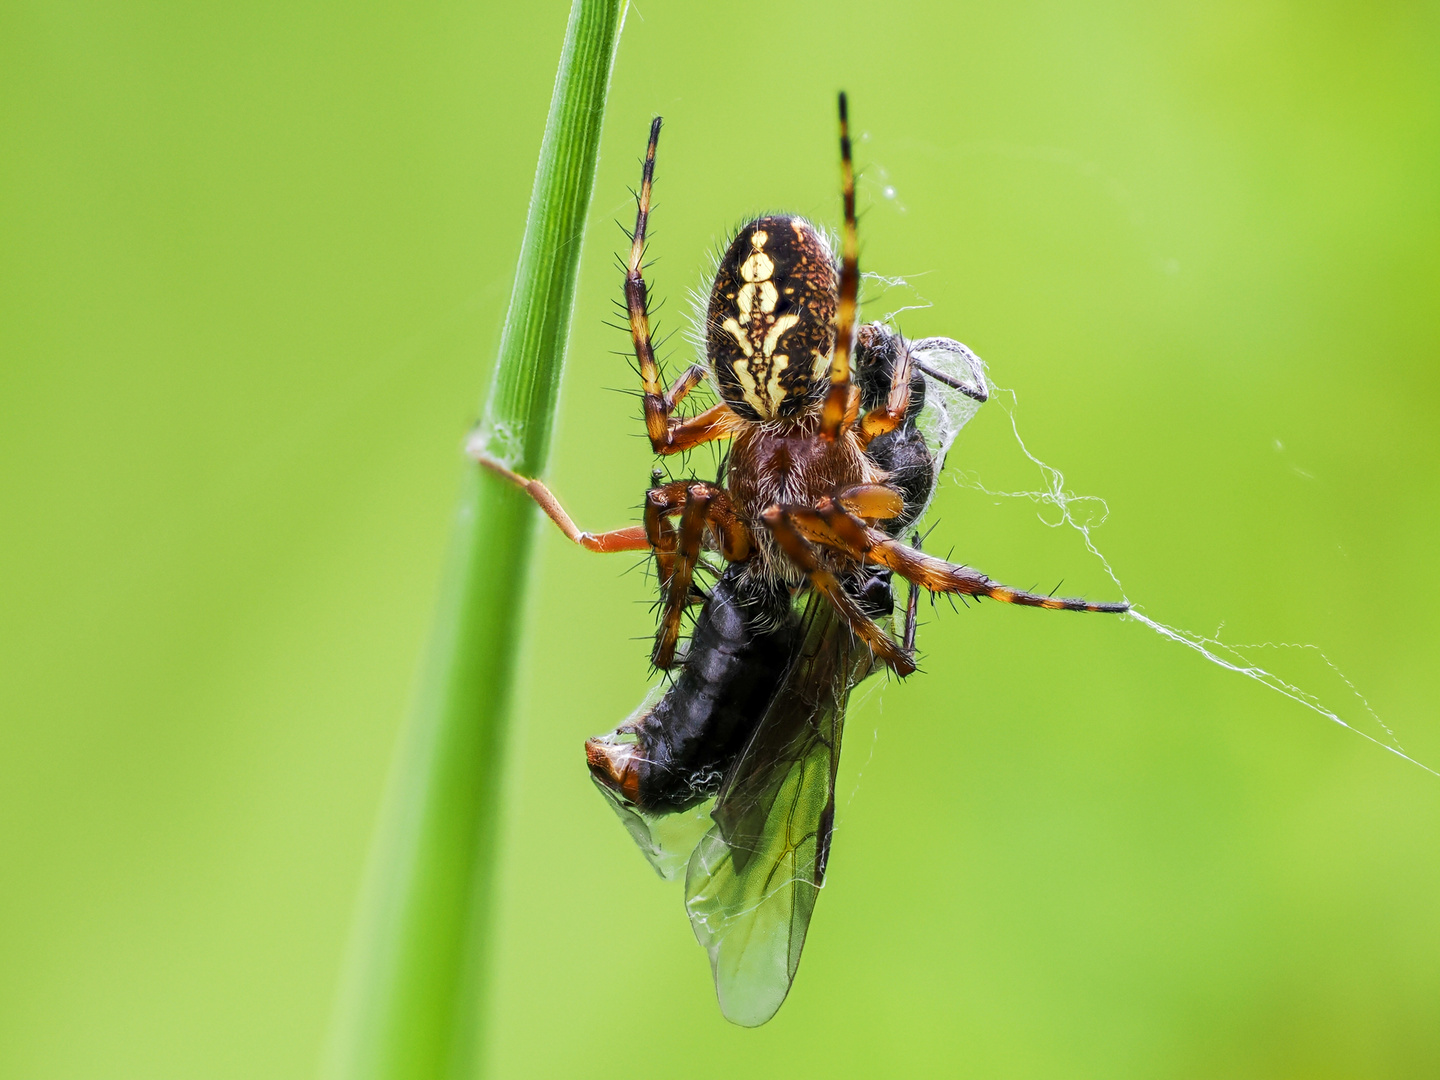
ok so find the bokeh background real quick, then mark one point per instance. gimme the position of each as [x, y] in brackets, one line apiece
[255, 259]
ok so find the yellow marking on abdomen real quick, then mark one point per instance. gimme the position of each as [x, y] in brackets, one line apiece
[741, 338]
[785, 322]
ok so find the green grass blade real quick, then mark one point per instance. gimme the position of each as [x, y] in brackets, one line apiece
[414, 992]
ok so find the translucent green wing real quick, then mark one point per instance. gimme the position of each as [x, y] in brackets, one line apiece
[666, 840]
[753, 879]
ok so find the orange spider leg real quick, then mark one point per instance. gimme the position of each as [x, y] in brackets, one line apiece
[676, 587]
[660, 502]
[734, 537]
[633, 538]
[690, 378]
[780, 521]
[859, 540]
[878, 502]
[716, 422]
[664, 500]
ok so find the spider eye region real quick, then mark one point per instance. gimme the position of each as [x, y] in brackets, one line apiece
[770, 326]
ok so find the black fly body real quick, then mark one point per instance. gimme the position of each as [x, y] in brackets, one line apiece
[835, 435]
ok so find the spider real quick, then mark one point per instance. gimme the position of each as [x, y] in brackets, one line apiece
[804, 502]
[827, 467]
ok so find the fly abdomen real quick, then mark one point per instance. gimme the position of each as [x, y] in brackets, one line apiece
[674, 754]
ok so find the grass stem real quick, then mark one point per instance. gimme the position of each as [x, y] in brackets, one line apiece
[414, 994]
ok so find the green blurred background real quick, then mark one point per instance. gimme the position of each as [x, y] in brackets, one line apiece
[255, 259]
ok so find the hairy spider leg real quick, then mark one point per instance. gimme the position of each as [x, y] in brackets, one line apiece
[676, 587]
[660, 502]
[690, 378]
[656, 533]
[734, 537]
[664, 500]
[837, 400]
[834, 527]
[877, 502]
[656, 414]
[668, 435]
[780, 521]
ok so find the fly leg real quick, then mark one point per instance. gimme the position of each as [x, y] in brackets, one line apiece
[912, 606]
[783, 524]
[889, 416]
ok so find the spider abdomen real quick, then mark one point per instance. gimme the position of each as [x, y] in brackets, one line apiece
[770, 325]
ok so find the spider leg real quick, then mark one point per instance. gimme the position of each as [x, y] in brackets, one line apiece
[668, 435]
[837, 401]
[660, 502]
[734, 537]
[878, 502]
[690, 378]
[716, 422]
[912, 607]
[664, 500]
[781, 523]
[937, 575]
[829, 524]
[675, 588]
[699, 504]
[633, 538]
[656, 415]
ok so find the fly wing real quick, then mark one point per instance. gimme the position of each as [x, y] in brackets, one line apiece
[955, 388]
[753, 879]
[666, 840]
